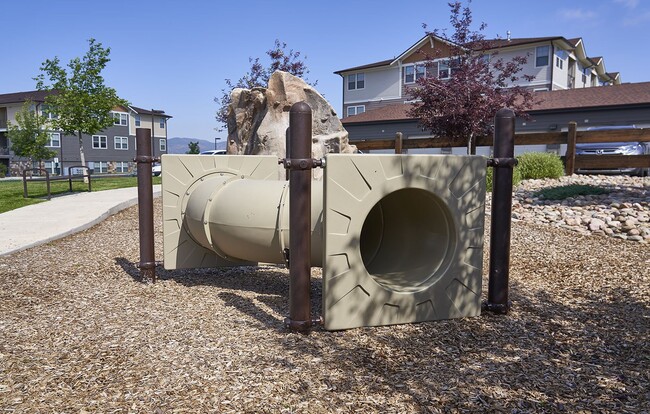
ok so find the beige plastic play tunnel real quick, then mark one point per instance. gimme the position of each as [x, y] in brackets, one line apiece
[400, 238]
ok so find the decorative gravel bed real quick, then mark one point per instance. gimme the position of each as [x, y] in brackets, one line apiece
[622, 211]
[79, 333]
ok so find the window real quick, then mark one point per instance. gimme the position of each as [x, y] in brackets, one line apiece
[46, 111]
[454, 66]
[100, 142]
[100, 167]
[51, 167]
[409, 74]
[414, 72]
[55, 140]
[443, 69]
[121, 143]
[541, 56]
[420, 71]
[120, 119]
[162, 144]
[162, 123]
[356, 81]
[356, 109]
[559, 62]
[137, 120]
[121, 167]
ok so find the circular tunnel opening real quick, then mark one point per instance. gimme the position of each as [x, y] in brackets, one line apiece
[407, 240]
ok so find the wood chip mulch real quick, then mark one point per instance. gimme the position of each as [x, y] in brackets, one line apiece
[79, 333]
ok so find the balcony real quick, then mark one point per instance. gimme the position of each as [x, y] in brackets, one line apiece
[571, 82]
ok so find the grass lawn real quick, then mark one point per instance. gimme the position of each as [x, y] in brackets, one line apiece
[11, 192]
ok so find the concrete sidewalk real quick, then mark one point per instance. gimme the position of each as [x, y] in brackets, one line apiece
[50, 220]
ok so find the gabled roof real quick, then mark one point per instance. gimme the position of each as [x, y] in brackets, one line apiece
[522, 41]
[594, 97]
[39, 96]
[417, 45]
[575, 41]
[19, 97]
[614, 75]
[368, 66]
[492, 44]
[156, 112]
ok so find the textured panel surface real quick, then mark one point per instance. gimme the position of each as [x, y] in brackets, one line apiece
[180, 175]
[403, 238]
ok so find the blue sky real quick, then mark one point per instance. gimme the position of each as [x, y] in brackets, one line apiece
[175, 55]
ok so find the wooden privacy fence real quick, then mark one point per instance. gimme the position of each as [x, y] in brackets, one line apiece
[570, 138]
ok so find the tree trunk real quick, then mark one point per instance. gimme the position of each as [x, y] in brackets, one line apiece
[471, 145]
[82, 157]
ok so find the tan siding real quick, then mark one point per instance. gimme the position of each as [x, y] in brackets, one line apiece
[439, 50]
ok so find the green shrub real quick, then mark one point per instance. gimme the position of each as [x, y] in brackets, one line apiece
[572, 190]
[535, 165]
[516, 178]
[3, 171]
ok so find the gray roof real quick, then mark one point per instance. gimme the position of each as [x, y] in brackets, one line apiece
[18, 97]
[156, 112]
[39, 96]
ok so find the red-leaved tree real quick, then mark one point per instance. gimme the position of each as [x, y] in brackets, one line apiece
[461, 103]
[258, 75]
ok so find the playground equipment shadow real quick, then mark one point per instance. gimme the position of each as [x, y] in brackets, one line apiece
[84, 334]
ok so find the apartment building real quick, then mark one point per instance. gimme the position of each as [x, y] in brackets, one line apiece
[554, 63]
[110, 151]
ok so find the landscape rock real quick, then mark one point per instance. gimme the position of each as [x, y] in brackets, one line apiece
[622, 213]
[258, 119]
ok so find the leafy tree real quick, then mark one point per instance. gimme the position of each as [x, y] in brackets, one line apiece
[28, 138]
[463, 104]
[258, 75]
[193, 148]
[79, 98]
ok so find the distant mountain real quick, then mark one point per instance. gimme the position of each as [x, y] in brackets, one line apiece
[178, 145]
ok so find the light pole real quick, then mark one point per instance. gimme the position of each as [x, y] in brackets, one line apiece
[215, 143]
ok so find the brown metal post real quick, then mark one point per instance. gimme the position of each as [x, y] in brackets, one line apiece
[503, 163]
[570, 156]
[144, 160]
[300, 166]
[287, 151]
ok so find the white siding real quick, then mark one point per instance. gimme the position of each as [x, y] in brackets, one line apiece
[560, 74]
[379, 84]
[542, 74]
[11, 112]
